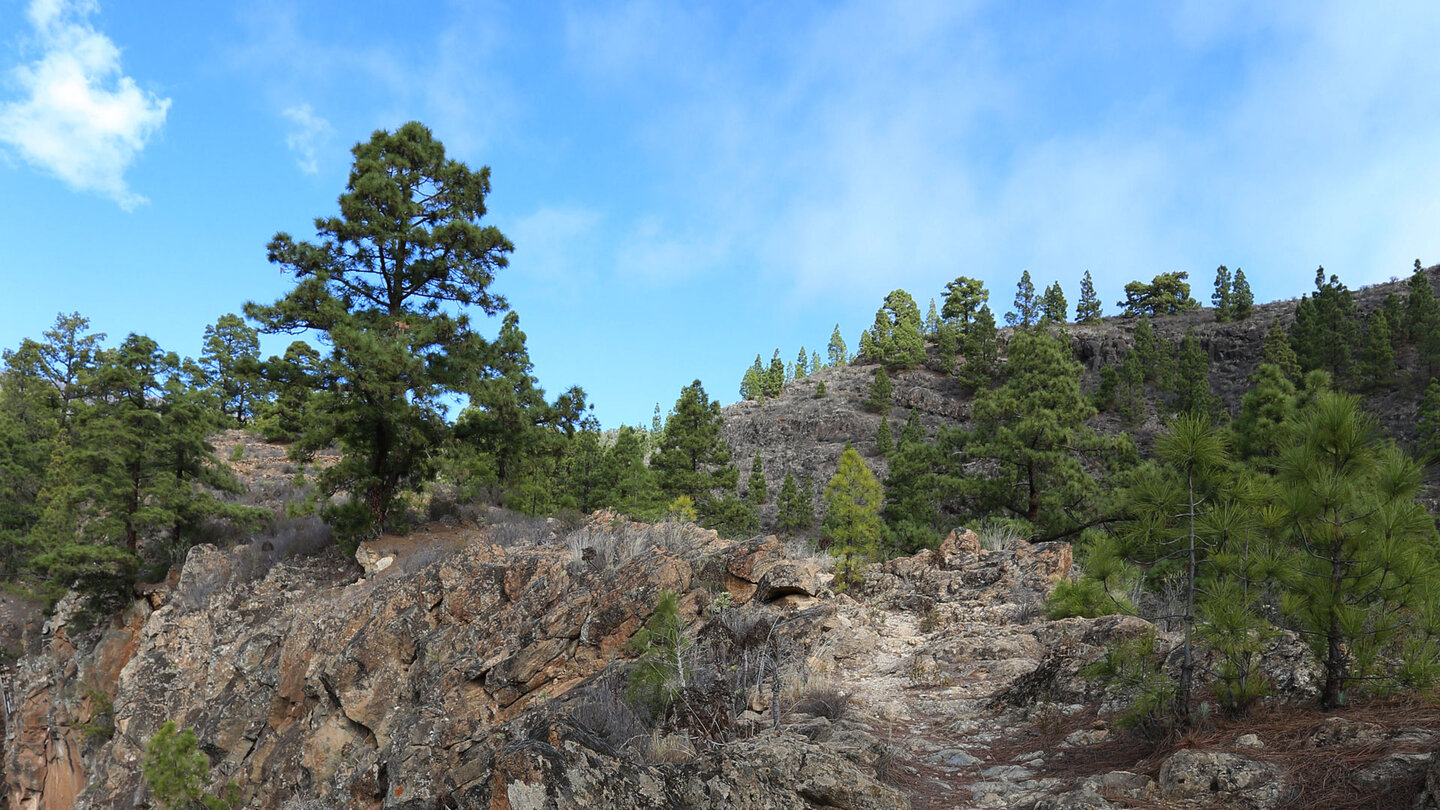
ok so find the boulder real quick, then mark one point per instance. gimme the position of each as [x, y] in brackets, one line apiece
[1217, 776]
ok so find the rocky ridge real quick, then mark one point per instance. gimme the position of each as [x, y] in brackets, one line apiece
[798, 433]
[467, 672]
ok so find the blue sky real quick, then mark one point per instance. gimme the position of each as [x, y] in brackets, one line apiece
[689, 184]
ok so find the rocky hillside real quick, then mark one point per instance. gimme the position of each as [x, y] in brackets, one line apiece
[484, 666]
[797, 433]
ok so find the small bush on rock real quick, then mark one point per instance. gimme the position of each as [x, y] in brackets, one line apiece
[175, 773]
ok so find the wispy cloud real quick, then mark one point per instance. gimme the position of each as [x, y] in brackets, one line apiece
[549, 238]
[294, 52]
[853, 150]
[78, 116]
[308, 134]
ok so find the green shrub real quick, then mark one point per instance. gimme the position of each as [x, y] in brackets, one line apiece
[175, 773]
[1086, 598]
[662, 671]
[101, 724]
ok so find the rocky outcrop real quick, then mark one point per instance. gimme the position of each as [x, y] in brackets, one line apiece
[411, 688]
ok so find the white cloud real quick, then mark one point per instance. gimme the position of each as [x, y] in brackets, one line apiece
[78, 116]
[308, 134]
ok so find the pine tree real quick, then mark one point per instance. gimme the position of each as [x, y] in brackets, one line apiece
[1223, 299]
[947, 345]
[1420, 304]
[756, 494]
[1427, 425]
[752, 386]
[1053, 307]
[914, 431]
[65, 358]
[1279, 353]
[1362, 549]
[662, 669]
[881, 390]
[1152, 354]
[875, 341]
[1324, 331]
[797, 513]
[801, 368]
[774, 381]
[31, 428]
[1191, 519]
[586, 479]
[902, 346]
[504, 422]
[1242, 300]
[176, 772]
[980, 348]
[815, 361]
[853, 500]
[1088, 308]
[884, 443]
[293, 379]
[1167, 293]
[916, 499]
[121, 437]
[1031, 430]
[1422, 322]
[963, 299]
[1130, 391]
[1192, 379]
[932, 320]
[692, 457]
[1027, 307]
[631, 485]
[820, 389]
[1377, 356]
[1394, 312]
[231, 362]
[837, 352]
[383, 283]
[1264, 411]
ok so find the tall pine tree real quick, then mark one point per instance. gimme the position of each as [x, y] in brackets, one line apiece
[853, 500]
[1027, 306]
[388, 283]
[1088, 309]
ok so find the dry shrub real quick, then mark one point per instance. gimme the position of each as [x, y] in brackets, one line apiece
[800, 548]
[515, 530]
[670, 749]
[287, 537]
[822, 700]
[603, 547]
[419, 559]
[609, 722]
